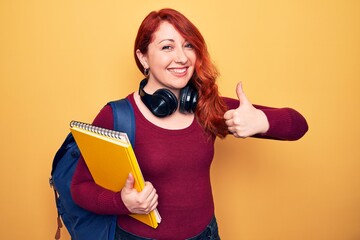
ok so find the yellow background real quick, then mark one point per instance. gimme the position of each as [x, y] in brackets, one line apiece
[63, 60]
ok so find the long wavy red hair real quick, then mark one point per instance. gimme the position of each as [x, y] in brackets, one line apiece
[210, 107]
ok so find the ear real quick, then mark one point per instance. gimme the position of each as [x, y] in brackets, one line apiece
[142, 58]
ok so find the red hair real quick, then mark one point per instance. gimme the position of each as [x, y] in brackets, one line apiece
[210, 106]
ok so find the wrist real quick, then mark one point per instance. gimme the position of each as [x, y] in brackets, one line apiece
[264, 124]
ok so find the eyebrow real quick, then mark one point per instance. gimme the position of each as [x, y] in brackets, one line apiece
[168, 39]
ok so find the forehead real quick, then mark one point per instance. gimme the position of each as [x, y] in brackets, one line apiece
[166, 31]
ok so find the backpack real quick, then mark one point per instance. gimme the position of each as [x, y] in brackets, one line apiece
[82, 224]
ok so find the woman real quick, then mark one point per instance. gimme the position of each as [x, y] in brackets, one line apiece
[175, 141]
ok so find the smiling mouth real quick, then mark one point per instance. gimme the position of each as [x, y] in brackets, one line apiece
[178, 70]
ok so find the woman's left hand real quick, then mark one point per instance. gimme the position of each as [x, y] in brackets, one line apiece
[245, 120]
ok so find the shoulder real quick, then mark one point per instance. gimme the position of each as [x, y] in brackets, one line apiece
[105, 116]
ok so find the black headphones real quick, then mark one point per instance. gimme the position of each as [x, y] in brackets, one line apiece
[163, 102]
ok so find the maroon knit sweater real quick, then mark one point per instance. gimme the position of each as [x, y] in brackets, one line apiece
[177, 163]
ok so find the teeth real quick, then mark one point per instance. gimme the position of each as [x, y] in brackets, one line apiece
[178, 70]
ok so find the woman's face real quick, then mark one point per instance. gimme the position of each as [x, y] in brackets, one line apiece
[171, 59]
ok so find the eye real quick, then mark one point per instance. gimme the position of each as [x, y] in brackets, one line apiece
[166, 47]
[189, 45]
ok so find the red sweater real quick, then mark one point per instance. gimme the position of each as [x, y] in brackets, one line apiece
[177, 163]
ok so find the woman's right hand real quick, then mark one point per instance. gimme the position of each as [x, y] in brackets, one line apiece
[139, 202]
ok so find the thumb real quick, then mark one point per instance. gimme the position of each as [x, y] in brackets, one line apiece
[241, 95]
[129, 184]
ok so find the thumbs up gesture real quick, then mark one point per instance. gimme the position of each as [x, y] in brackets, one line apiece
[139, 202]
[246, 120]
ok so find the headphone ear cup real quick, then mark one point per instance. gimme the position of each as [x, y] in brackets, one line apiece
[194, 98]
[183, 105]
[188, 99]
[163, 103]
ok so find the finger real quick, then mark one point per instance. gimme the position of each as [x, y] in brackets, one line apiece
[234, 120]
[148, 188]
[229, 123]
[234, 129]
[129, 184]
[154, 203]
[229, 114]
[148, 198]
[241, 95]
[239, 135]
[147, 193]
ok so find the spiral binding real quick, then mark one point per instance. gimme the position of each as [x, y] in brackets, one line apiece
[97, 130]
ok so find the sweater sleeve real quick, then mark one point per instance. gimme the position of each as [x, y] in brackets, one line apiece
[85, 192]
[285, 123]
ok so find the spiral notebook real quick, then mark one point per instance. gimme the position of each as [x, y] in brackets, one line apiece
[110, 158]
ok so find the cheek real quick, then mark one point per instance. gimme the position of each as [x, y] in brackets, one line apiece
[159, 60]
[193, 58]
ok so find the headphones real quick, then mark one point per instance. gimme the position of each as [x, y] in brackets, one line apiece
[163, 102]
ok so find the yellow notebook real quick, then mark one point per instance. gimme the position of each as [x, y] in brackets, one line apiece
[110, 158]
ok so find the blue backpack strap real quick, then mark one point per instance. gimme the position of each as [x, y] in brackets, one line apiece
[124, 119]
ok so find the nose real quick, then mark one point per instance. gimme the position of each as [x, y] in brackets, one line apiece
[180, 56]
